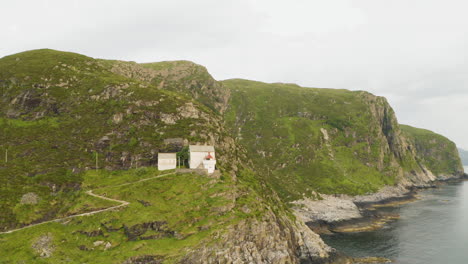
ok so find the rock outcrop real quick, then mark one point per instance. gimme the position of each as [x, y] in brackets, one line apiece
[43, 246]
[184, 77]
[271, 239]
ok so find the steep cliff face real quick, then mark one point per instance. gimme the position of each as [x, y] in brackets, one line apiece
[306, 141]
[437, 153]
[394, 145]
[397, 146]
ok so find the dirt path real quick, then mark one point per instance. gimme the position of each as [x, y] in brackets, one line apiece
[90, 192]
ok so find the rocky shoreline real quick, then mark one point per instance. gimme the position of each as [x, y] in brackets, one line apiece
[343, 213]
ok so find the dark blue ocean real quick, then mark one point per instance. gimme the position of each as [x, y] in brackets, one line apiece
[432, 230]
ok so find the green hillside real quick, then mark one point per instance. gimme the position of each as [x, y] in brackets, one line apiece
[71, 124]
[436, 152]
[165, 217]
[308, 140]
[64, 109]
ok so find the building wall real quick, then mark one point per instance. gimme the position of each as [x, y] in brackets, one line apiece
[196, 158]
[167, 164]
[209, 165]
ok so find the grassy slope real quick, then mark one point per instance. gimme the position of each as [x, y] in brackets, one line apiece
[436, 152]
[55, 109]
[188, 209]
[281, 124]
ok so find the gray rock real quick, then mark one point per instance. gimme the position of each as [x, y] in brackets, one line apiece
[107, 246]
[267, 240]
[330, 209]
[29, 198]
[43, 246]
[98, 243]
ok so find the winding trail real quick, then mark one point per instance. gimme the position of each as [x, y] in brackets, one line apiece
[90, 192]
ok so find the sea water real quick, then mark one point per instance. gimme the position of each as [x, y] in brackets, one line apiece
[432, 230]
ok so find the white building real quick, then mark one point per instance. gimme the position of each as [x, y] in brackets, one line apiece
[167, 161]
[202, 157]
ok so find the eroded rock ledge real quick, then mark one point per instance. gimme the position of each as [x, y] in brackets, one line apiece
[344, 213]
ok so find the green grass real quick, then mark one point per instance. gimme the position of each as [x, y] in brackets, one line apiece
[192, 207]
[436, 152]
[94, 179]
[167, 65]
[280, 125]
[58, 116]
[18, 123]
[57, 106]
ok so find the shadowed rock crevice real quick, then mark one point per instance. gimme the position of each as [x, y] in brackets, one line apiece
[158, 230]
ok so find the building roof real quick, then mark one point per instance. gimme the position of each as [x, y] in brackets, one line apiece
[199, 148]
[166, 155]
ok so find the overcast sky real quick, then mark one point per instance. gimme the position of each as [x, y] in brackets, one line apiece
[414, 52]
